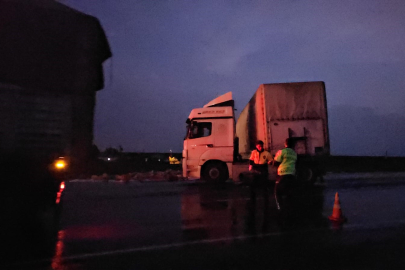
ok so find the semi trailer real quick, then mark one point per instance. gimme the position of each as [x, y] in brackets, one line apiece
[216, 147]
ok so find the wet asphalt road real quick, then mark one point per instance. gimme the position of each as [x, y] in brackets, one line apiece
[172, 225]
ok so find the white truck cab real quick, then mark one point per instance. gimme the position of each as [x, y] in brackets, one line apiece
[208, 149]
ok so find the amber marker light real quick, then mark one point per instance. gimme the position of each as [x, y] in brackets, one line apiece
[60, 164]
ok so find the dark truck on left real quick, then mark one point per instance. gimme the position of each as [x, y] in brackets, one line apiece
[50, 70]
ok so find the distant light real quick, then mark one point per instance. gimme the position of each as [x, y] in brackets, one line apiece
[59, 194]
[146, 159]
[60, 164]
[108, 159]
[159, 159]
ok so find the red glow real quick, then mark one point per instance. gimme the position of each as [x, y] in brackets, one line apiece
[60, 246]
[59, 194]
[113, 230]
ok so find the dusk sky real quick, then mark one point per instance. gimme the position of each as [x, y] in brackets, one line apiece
[172, 56]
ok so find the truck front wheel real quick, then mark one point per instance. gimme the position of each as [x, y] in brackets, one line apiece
[214, 173]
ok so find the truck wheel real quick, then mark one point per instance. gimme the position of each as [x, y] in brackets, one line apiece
[306, 175]
[214, 173]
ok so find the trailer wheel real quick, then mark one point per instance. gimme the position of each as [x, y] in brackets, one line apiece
[214, 173]
[306, 175]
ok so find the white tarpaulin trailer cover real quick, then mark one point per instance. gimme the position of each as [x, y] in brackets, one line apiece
[278, 111]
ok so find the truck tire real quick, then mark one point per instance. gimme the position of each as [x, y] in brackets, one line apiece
[305, 175]
[214, 173]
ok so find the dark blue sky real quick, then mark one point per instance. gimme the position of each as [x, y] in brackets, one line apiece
[172, 56]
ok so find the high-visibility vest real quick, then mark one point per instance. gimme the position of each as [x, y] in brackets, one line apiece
[263, 157]
[288, 158]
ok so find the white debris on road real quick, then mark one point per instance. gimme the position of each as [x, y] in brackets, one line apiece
[173, 175]
[168, 175]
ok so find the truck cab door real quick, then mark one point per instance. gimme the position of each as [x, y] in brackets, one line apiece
[198, 141]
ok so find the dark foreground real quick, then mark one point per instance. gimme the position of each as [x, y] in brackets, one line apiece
[177, 226]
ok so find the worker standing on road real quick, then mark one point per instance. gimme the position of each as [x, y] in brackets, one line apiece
[286, 180]
[258, 161]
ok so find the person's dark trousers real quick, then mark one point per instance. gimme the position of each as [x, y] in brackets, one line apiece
[260, 182]
[284, 188]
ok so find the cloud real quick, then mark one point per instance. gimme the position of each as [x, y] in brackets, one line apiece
[362, 131]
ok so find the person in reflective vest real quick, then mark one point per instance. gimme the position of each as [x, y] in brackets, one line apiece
[259, 159]
[286, 180]
[258, 163]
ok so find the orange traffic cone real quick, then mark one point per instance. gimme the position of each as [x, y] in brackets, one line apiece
[337, 215]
